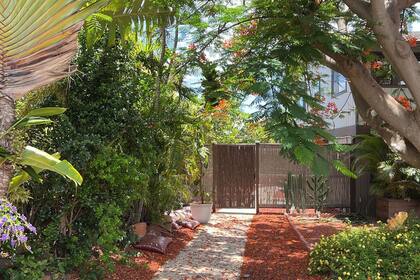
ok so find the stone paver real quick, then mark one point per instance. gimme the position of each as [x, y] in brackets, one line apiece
[215, 253]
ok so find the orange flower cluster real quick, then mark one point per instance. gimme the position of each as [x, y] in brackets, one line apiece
[366, 52]
[411, 40]
[227, 44]
[222, 105]
[376, 65]
[192, 47]
[320, 141]
[404, 102]
[249, 30]
[239, 54]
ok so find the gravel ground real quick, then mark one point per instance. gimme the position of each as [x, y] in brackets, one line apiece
[216, 252]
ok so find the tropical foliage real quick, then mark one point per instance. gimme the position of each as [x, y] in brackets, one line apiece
[345, 36]
[391, 176]
[123, 18]
[137, 162]
[38, 44]
[252, 63]
[37, 47]
[137, 130]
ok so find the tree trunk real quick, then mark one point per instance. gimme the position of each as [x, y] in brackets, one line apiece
[7, 117]
[159, 77]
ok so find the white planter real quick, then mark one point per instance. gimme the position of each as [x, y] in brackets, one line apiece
[201, 212]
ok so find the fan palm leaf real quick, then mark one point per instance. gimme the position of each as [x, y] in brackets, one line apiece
[38, 39]
[369, 153]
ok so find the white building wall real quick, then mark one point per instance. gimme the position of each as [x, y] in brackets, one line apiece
[341, 96]
[345, 105]
[346, 125]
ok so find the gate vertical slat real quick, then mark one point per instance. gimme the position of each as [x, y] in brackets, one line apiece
[257, 176]
[241, 185]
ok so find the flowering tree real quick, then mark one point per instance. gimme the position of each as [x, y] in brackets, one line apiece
[357, 38]
[393, 118]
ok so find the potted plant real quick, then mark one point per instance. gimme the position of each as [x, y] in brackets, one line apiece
[398, 189]
[201, 209]
[395, 184]
[139, 227]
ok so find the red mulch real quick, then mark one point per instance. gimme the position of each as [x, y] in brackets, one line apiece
[313, 231]
[274, 251]
[149, 263]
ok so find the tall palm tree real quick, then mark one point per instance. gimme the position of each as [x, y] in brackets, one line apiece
[38, 39]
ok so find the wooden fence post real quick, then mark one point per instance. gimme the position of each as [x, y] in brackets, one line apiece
[215, 161]
[257, 176]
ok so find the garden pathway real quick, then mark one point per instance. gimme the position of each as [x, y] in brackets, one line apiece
[215, 253]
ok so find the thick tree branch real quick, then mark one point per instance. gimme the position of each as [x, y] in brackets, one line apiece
[159, 76]
[332, 64]
[383, 103]
[7, 118]
[169, 74]
[360, 8]
[404, 4]
[403, 147]
[395, 48]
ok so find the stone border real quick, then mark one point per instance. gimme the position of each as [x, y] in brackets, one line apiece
[307, 245]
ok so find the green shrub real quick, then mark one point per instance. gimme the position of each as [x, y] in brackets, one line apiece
[29, 268]
[369, 253]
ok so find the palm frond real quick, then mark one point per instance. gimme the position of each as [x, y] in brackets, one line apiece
[126, 17]
[369, 153]
[38, 39]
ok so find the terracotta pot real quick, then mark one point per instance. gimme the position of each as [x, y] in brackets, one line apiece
[140, 229]
[387, 208]
[201, 212]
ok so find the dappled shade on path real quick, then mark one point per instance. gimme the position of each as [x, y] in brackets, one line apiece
[274, 251]
[216, 252]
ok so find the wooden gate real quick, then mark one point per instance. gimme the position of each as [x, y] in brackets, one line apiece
[234, 169]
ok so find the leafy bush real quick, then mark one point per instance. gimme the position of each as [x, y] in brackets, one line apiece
[369, 253]
[136, 161]
[29, 268]
[136, 142]
[391, 176]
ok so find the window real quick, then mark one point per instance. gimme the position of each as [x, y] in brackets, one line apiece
[338, 83]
